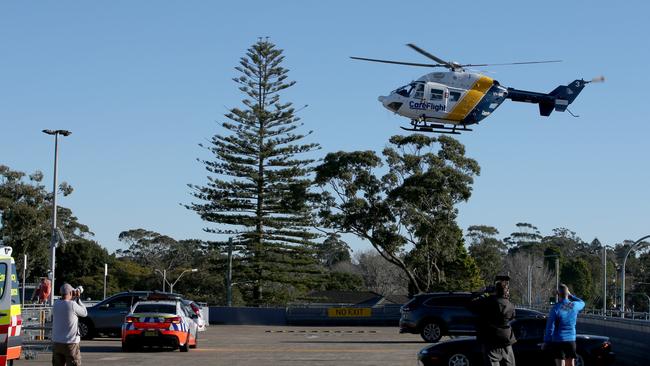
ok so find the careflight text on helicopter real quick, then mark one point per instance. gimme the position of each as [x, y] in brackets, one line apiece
[449, 101]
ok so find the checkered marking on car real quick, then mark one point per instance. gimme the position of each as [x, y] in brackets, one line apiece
[178, 327]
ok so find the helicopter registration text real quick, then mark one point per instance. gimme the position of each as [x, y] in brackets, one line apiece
[428, 106]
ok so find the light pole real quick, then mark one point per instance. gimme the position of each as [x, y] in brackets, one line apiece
[229, 275]
[171, 287]
[623, 272]
[164, 274]
[24, 275]
[55, 235]
[530, 284]
[530, 276]
[105, 275]
[605, 279]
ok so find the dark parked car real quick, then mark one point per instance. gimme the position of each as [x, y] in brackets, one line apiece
[107, 316]
[444, 313]
[592, 350]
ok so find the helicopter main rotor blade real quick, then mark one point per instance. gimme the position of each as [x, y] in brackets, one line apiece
[434, 58]
[395, 62]
[514, 63]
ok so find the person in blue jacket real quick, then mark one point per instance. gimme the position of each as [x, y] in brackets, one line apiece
[560, 336]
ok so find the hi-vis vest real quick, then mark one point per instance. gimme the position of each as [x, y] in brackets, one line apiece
[10, 317]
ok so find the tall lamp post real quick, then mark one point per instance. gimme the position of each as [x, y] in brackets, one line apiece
[530, 276]
[56, 236]
[164, 274]
[171, 287]
[638, 242]
[605, 279]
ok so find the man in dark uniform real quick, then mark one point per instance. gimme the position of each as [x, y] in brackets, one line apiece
[494, 314]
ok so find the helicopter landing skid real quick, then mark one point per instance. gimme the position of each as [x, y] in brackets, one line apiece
[419, 126]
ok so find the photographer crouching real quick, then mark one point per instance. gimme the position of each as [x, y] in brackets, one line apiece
[65, 327]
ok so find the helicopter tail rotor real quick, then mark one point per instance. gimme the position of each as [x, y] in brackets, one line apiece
[597, 79]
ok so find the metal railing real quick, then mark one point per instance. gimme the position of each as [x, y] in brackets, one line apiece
[643, 316]
[36, 329]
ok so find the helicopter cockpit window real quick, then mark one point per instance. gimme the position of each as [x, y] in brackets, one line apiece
[406, 90]
[419, 91]
[436, 94]
[454, 96]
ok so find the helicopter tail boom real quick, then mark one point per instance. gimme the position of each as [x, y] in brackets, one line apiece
[559, 99]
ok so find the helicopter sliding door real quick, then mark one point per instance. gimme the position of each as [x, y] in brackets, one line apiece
[436, 97]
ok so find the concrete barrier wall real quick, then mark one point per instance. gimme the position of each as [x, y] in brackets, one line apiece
[630, 339]
[379, 316]
[249, 316]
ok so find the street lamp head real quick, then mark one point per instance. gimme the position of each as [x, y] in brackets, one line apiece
[58, 132]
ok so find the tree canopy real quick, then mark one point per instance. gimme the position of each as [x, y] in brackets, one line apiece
[407, 213]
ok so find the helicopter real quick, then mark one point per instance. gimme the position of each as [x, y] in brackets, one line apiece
[450, 101]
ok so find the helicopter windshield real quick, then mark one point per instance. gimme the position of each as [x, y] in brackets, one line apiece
[405, 91]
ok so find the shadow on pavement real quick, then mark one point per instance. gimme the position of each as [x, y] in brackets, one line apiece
[359, 342]
[118, 349]
[100, 349]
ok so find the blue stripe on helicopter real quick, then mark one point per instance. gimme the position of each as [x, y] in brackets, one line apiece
[490, 102]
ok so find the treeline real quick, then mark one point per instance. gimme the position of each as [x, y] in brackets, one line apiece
[278, 207]
[527, 253]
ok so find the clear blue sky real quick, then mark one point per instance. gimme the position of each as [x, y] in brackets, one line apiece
[141, 83]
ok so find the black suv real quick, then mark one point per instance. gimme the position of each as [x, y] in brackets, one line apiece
[444, 313]
[107, 316]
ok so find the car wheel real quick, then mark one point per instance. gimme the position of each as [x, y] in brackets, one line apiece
[579, 361]
[431, 332]
[127, 347]
[185, 347]
[86, 330]
[458, 359]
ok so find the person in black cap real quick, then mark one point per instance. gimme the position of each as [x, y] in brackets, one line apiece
[495, 335]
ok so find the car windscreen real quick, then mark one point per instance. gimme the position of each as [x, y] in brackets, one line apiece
[155, 308]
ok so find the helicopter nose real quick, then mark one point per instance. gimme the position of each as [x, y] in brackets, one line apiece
[389, 103]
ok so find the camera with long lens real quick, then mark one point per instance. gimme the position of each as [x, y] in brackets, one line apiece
[78, 291]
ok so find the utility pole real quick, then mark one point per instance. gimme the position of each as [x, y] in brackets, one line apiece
[229, 275]
[55, 236]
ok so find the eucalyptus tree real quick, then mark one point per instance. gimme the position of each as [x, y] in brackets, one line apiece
[407, 209]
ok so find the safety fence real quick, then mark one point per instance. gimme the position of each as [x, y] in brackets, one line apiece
[637, 316]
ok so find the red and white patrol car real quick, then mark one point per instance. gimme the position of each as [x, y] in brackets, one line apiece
[159, 323]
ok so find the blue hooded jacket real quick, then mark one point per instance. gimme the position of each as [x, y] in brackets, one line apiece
[561, 323]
